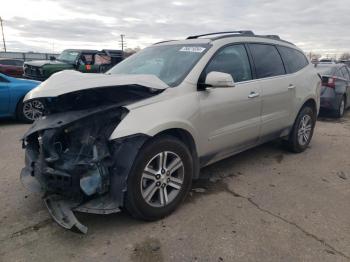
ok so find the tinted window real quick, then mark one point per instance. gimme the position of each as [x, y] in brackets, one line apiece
[293, 59]
[267, 60]
[345, 73]
[232, 60]
[18, 63]
[5, 62]
[11, 62]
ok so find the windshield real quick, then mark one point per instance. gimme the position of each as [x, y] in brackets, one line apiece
[325, 70]
[68, 56]
[170, 63]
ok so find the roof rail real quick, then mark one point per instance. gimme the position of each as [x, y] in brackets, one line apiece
[277, 37]
[242, 32]
[161, 42]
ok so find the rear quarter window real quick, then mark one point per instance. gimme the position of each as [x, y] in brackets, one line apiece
[267, 60]
[294, 60]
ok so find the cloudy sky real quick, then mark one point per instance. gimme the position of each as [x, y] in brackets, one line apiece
[320, 26]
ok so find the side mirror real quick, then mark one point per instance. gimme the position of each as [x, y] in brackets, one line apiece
[52, 58]
[219, 80]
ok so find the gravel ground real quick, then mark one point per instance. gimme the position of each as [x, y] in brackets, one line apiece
[262, 205]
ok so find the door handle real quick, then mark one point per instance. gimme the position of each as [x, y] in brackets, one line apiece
[253, 94]
[291, 86]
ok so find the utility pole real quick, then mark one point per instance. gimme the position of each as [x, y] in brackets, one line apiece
[3, 36]
[122, 41]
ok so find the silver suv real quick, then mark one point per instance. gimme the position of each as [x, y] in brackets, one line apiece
[137, 136]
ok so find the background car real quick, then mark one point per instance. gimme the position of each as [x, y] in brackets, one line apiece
[347, 62]
[12, 92]
[327, 61]
[86, 61]
[335, 91]
[11, 67]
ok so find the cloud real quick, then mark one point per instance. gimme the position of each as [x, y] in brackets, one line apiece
[314, 25]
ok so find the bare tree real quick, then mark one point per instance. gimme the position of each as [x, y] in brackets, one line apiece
[314, 56]
[345, 56]
[131, 51]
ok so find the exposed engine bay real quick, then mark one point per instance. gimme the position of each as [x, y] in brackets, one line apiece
[70, 159]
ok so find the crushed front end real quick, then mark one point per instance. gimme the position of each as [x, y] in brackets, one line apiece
[70, 160]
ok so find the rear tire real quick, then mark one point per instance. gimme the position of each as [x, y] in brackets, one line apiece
[302, 131]
[339, 113]
[160, 178]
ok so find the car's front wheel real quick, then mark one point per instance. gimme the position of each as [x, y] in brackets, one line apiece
[160, 178]
[30, 111]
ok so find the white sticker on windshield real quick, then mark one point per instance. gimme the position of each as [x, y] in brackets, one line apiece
[192, 49]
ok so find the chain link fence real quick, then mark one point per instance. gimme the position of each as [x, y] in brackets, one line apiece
[27, 56]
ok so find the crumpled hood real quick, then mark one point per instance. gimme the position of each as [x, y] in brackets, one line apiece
[70, 81]
[40, 63]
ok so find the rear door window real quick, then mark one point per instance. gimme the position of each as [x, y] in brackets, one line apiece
[293, 59]
[267, 60]
[232, 60]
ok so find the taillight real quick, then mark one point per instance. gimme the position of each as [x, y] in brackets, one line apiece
[329, 82]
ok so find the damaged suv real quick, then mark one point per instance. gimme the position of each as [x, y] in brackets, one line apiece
[137, 136]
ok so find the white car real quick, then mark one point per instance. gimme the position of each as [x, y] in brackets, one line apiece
[137, 136]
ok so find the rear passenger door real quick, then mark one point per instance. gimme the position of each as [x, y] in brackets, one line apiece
[277, 89]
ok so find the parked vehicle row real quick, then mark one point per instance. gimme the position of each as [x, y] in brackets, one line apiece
[136, 137]
[87, 61]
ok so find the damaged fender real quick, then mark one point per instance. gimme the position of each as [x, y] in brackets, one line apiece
[70, 158]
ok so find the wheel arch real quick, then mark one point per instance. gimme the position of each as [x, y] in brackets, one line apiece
[16, 109]
[187, 138]
[312, 103]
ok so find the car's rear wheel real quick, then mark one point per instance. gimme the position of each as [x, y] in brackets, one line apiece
[28, 112]
[303, 129]
[160, 178]
[341, 109]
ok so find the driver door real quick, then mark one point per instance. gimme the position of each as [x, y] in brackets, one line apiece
[230, 117]
[4, 96]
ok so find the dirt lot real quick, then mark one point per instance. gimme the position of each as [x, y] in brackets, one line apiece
[262, 205]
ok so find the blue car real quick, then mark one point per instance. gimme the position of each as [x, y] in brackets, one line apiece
[12, 92]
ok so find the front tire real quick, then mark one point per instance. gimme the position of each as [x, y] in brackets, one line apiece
[303, 129]
[28, 112]
[160, 178]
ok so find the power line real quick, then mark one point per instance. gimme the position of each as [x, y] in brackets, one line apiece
[3, 36]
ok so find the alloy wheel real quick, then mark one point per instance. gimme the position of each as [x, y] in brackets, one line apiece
[162, 179]
[33, 110]
[304, 131]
